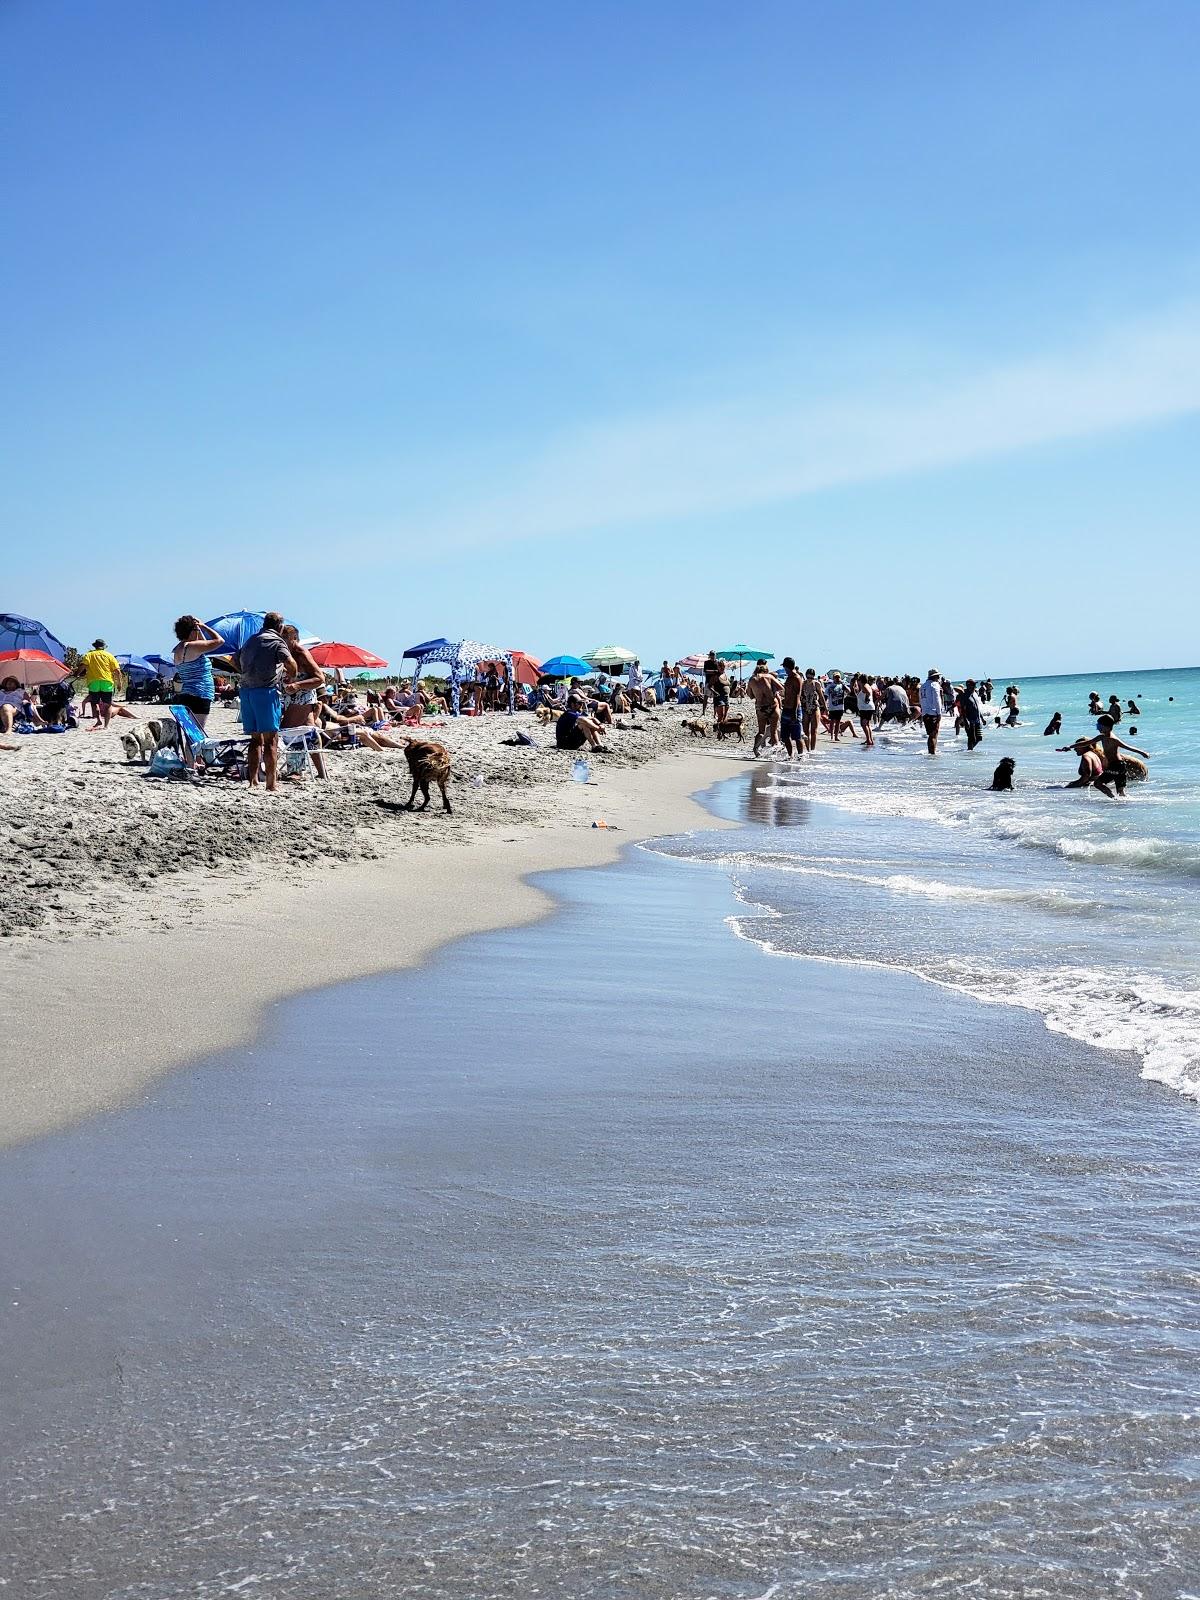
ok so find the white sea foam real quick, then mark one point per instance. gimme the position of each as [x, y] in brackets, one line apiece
[1056, 901]
[1109, 1007]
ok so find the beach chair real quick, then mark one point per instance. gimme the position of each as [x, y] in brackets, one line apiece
[199, 750]
[228, 755]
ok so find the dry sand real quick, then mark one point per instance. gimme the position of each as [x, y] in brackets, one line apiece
[149, 924]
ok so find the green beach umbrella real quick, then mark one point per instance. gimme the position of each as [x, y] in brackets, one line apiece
[744, 652]
[610, 655]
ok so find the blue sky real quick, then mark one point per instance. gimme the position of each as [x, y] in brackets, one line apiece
[869, 332]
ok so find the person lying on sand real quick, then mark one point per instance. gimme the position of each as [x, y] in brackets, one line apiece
[341, 730]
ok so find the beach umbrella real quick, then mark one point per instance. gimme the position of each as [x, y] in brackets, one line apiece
[32, 667]
[137, 666]
[336, 654]
[163, 665]
[525, 669]
[691, 663]
[609, 655]
[235, 627]
[24, 633]
[744, 652]
[565, 667]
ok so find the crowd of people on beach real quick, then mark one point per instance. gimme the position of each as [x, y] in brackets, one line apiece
[283, 694]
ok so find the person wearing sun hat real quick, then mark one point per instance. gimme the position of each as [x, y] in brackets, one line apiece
[102, 674]
[931, 708]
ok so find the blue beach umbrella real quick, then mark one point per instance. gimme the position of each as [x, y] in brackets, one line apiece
[137, 666]
[163, 665]
[24, 633]
[565, 667]
[235, 627]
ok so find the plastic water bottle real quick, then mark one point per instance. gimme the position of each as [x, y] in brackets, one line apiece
[580, 770]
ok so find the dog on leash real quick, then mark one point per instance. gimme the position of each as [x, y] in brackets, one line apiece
[141, 742]
[1002, 778]
[696, 729]
[428, 762]
[730, 727]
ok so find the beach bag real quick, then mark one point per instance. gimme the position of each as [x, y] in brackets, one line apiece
[166, 763]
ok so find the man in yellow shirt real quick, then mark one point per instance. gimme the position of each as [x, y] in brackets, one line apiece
[102, 674]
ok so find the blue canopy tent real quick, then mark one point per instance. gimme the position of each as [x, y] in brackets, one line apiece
[24, 633]
[462, 656]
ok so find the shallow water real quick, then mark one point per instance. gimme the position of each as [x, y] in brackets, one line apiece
[612, 1258]
[1080, 908]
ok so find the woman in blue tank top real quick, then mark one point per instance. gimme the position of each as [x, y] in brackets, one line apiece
[197, 641]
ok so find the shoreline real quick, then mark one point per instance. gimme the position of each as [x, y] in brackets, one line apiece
[95, 1020]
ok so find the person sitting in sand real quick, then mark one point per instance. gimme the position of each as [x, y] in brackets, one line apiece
[575, 728]
[16, 706]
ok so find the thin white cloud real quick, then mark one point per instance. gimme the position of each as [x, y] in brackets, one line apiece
[745, 452]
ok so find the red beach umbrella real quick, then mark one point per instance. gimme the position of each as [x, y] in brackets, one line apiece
[31, 667]
[336, 654]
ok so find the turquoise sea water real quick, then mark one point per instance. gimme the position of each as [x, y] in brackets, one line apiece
[1080, 908]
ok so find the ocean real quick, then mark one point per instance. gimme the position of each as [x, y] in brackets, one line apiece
[1079, 908]
[621, 1258]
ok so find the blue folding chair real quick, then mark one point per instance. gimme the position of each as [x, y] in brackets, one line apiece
[228, 752]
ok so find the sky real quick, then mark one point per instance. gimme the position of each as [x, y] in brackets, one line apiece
[867, 332]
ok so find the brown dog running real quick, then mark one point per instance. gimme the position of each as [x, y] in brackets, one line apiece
[429, 763]
[696, 729]
[731, 725]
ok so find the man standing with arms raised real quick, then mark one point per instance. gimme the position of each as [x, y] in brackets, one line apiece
[265, 662]
[931, 708]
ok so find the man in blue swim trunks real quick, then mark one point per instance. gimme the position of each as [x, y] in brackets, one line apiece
[265, 663]
[790, 729]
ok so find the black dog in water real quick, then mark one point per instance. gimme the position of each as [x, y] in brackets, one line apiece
[1002, 778]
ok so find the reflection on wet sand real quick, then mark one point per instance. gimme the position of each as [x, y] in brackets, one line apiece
[774, 800]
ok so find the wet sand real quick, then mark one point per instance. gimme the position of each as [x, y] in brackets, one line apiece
[611, 1257]
[95, 1016]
